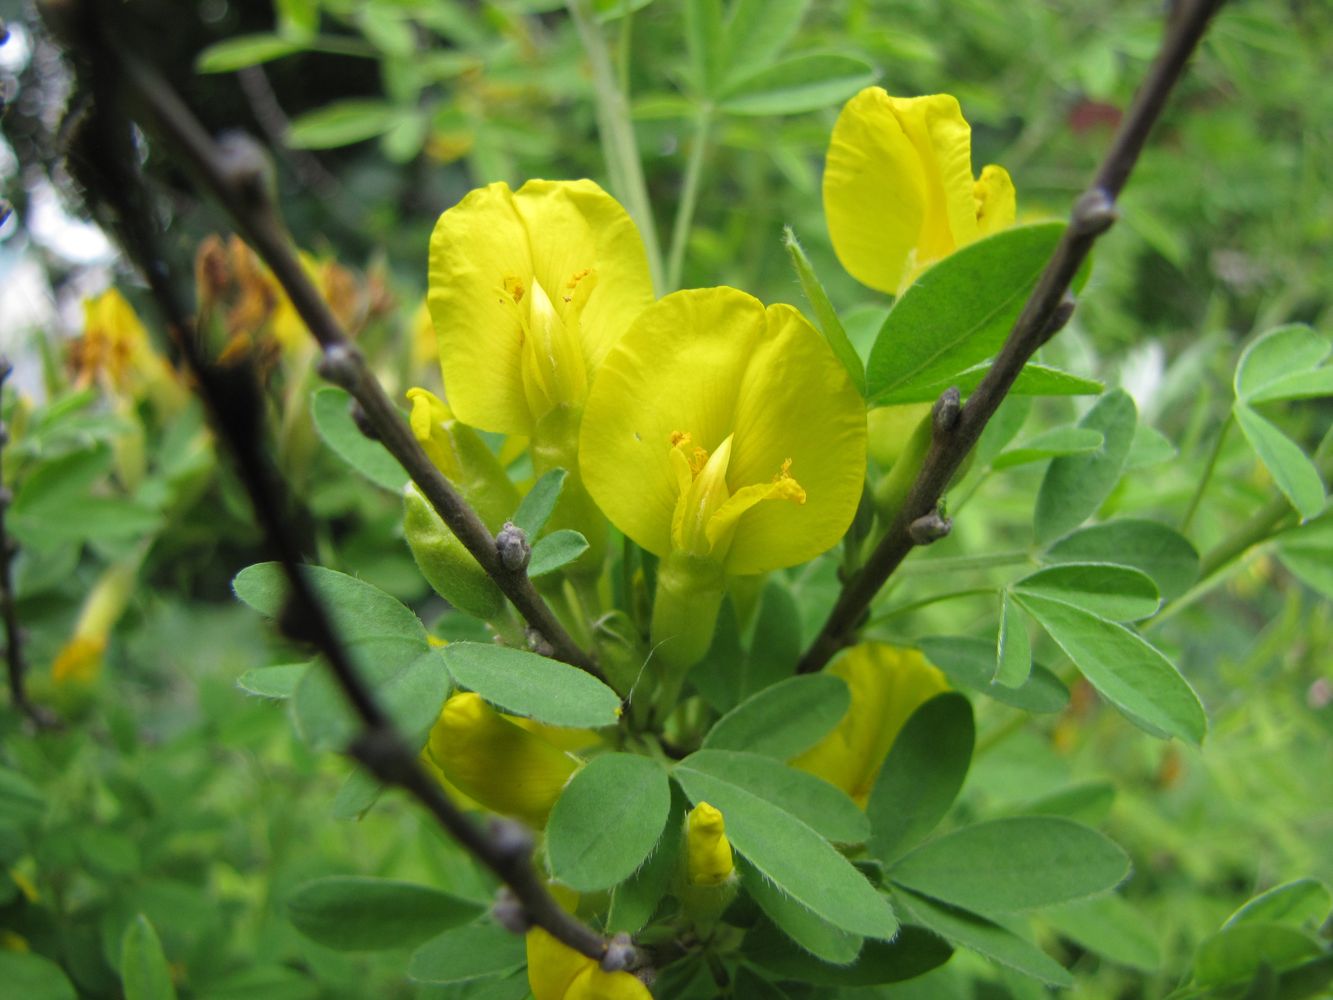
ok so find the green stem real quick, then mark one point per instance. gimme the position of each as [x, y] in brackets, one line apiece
[926, 602]
[1206, 477]
[619, 145]
[689, 197]
[961, 564]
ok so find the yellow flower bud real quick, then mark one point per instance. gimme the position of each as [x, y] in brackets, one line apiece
[707, 850]
[79, 661]
[888, 684]
[558, 972]
[501, 765]
[445, 562]
[460, 453]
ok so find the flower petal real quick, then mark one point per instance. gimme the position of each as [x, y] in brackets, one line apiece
[796, 413]
[676, 370]
[943, 141]
[874, 191]
[475, 246]
[996, 201]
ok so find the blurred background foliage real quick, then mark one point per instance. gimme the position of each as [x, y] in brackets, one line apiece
[171, 793]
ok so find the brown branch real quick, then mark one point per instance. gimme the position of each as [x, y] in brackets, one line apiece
[103, 159]
[1046, 311]
[237, 173]
[18, 691]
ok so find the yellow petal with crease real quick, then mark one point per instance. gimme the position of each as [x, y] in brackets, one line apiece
[714, 364]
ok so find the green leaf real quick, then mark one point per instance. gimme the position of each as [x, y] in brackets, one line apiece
[1308, 552]
[1150, 447]
[362, 614]
[466, 954]
[535, 509]
[968, 930]
[341, 123]
[815, 935]
[824, 808]
[1304, 902]
[1297, 385]
[1161, 552]
[1236, 953]
[797, 84]
[1013, 649]
[1111, 928]
[785, 719]
[245, 50]
[526, 684]
[143, 965]
[34, 977]
[827, 316]
[1129, 672]
[921, 776]
[1060, 441]
[959, 312]
[634, 901]
[705, 38]
[757, 32]
[970, 663]
[20, 800]
[792, 855]
[278, 682]
[912, 953]
[1088, 802]
[1033, 380]
[1279, 356]
[1117, 593]
[358, 792]
[559, 548]
[1292, 470]
[1075, 485]
[370, 914]
[607, 820]
[329, 407]
[411, 694]
[1020, 863]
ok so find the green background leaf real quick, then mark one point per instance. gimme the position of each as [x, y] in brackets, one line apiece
[526, 684]
[368, 914]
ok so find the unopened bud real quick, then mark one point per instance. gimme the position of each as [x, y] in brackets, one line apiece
[946, 411]
[1094, 213]
[512, 545]
[538, 643]
[510, 913]
[930, 528]
[620, 954]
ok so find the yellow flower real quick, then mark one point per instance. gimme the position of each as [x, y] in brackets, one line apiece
[708, 858]
[509, 769]
[465, 459]
[116, 352]
[529, 290]
[79, 661]
[898, 187]
[558, 972]
[888, 683]
[724, 438]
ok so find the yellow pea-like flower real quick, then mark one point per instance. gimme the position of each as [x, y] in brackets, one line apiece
[116, 351]
[79, 662]
[888, 683]
[529, 290]
[726, 439]
[505, 767]
[898, 187]
[558, 972]
[708, 859]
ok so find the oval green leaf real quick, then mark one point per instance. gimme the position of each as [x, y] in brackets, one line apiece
[1117, 593]
[329, 407]
[1075, 485]
[369, 914]
[467, 953]
[1127, 670]
[969, 662]
[533, 686]
[815, 935]
[143, 966]
[784, 719]
[607, 821]
[1150, 546]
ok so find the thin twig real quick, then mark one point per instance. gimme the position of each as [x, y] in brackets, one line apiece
[236, 171]
[110, 174]
[18, 691]
[1046, 311]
